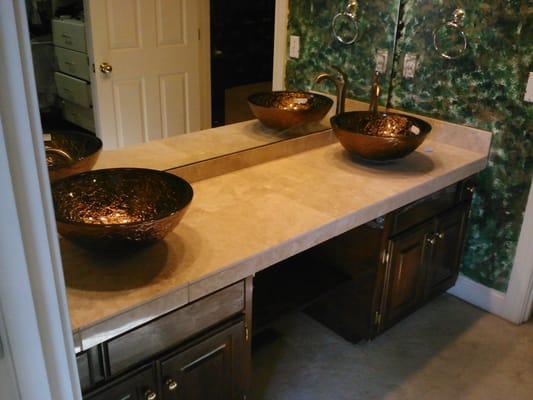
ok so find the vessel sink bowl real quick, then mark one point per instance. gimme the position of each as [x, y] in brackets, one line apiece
[120, 205]
[70, 152]
[381, 136]
[283, 110]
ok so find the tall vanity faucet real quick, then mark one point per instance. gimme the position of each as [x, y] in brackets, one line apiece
[340, 80]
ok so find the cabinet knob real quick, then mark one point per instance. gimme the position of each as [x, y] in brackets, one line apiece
[440, 235]
[471, 189]
[171, 385]
[149, 395]
[431, 240]
[106, 68]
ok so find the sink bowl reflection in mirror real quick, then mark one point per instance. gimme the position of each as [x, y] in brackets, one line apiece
[120, 205]
[380, 136]
[70, 152]
[285, 109]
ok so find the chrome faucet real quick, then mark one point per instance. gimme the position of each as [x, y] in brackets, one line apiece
[374, 93]
[340, 81]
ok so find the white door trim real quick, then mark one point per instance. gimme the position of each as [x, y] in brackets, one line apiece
[520, 291]
[33, 290]
[514, 305]
[280, 44]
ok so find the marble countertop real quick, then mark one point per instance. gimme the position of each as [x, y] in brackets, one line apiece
[247, 220]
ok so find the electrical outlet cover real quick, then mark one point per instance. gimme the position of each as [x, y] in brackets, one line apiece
[529, 89]
[294, 48]
[410, 63]
[382, 56]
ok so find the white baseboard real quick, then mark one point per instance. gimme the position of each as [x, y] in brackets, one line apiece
[481, 296]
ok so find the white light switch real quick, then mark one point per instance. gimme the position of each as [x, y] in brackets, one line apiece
[410, 63]
[529, 89]
[294, 49]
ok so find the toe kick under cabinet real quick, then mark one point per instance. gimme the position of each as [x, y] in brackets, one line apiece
[393, 265]
[200, 351]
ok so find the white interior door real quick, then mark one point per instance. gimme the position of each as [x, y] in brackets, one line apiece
[153, 48]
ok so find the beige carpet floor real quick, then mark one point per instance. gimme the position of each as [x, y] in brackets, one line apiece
[447, 350]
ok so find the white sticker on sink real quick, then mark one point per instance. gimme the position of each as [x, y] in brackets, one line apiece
[415, 129]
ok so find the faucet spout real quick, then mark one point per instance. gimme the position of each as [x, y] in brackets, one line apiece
[375, 92]
[339, 81]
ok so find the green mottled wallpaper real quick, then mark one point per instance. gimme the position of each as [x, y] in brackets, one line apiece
[311, 20]
[484, 89]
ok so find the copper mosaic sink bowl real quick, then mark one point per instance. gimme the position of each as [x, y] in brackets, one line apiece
[120, 205]
[379, 136]
[283, 110]
[70, 152]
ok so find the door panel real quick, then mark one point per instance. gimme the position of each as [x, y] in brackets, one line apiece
[174, 103]
[446, 255]
[406, 272]
[218, 360]
[129, 107]
[153, 90]
[123, 22]
[171, 22]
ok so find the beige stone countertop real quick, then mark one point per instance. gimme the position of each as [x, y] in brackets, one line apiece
[198, 146]
[247, 220]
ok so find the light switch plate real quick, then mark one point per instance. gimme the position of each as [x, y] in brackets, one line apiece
[382, 56]
[410, 62]
[294, 48]
[529, 89]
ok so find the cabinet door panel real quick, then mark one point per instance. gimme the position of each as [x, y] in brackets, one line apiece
[136, 386]
[210, 370]
[406, 273]
[446, 255]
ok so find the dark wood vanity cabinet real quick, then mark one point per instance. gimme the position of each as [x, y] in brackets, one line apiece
[394, 265]
[212, 369]
[199, 352]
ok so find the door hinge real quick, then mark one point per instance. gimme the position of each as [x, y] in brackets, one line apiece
[94, 68]
[377, 318]
[246, 332]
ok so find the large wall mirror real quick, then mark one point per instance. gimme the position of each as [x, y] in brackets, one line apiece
[132, 71]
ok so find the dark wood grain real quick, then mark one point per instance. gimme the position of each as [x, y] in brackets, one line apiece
[209, 370]
[175, 327]
[134, 386]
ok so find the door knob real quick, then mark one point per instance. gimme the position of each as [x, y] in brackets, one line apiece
[171, 385]
[106, 68]
[149, 395]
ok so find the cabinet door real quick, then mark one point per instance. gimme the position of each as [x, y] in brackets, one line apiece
[446, 252]
[405, 273]
[212, 369]
[140, 385]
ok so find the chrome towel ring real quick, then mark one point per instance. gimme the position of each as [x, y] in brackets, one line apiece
[457, 24]
[348, 17]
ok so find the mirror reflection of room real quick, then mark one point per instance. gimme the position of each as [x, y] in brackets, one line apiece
[192, 66]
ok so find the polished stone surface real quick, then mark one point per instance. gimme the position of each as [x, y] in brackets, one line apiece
[244, 221]
[446, 350]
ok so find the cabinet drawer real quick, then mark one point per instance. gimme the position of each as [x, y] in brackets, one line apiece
[175, 327]
[69, 33]
[136, 386]
[74, 90]
[423, 209]
[72, 62]
[79, 115]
